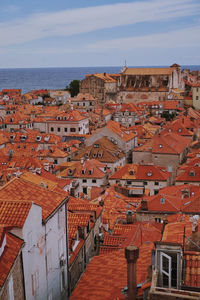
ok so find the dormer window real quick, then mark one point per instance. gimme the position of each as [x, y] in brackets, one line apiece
[169, 130]
[160, 146]
[83, 171]
[38, 138]
[70, 172]
[192, 173]
[96, 145]
[94, 155]
[131, 172]
[149, 174]
[87, 155]
[162, 200]
[180, 130]
[90, 172]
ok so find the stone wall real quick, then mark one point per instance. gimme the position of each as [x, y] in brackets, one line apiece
[18, 283]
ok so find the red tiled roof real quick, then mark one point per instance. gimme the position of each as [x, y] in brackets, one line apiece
[169, 143]
[14, 213]
[141, 172]
[20, 190]
[8, 257]
[106, 275]
[192, 269]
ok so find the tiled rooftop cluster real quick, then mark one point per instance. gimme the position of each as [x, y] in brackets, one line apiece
[117, 165]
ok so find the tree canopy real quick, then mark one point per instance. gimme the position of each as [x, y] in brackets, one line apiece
[73, 87]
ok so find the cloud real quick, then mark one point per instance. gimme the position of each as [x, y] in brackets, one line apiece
[187, 37]
[10, 9]
[84, 20]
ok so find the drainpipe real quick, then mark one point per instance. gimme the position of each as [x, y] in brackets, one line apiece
[131, 254]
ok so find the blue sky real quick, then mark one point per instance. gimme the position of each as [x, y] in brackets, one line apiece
[66, 33]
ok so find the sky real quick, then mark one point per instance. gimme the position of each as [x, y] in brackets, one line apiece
[81, 33]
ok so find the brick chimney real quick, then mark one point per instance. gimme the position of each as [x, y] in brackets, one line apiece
[131, 254]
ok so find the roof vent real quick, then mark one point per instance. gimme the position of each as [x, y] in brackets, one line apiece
[149, 174]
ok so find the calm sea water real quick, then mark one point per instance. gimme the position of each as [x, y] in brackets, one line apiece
[51, 78]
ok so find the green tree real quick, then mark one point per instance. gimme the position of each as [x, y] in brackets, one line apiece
[73, 87]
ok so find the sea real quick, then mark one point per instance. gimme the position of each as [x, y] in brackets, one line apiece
[28, 79]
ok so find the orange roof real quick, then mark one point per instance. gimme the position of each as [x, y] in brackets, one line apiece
[89, 169]
[174, 232]
[20, 190]
[8, 257]
[190, 174]
[125, 134]
[14, 213]
[148, 71]
[169, 143]
[141, 172]
[104, 76]
[106, 275]
[192, 269]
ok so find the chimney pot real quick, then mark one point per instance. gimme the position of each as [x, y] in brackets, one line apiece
[131, 254]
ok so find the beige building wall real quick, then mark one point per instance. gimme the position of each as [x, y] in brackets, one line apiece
[196, 97]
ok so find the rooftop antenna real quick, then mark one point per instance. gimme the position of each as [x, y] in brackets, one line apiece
[125, 63]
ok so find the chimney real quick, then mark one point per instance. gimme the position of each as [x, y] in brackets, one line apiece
[144, 205]
[129, 217]
[131, 254]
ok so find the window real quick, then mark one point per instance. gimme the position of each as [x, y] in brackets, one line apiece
[156, 183]
[35, 282]
[50, 296]
[52, 129]
[128, 182]
[145, 182]
[158, 220]
[62, 280]
[72, 129]
[84, 190]
[65, 129]
[55, 161]
[49, 261]
[94, 181]
[60, 247]
[29, 240]
[10, 289]
[192, 173]
[197, 97]
[84, 180]
[58, 129]
[61, 218]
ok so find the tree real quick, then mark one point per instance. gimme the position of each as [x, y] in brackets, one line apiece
[73, 87]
